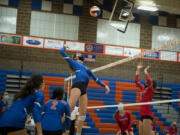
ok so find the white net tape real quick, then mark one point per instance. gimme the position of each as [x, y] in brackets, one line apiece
[135, 104]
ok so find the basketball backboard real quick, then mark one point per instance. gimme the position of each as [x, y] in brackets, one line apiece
[121, 14]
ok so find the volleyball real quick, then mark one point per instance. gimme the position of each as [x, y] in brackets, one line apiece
[95, 11]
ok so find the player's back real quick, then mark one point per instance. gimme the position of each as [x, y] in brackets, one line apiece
[81, 73]
[16, 114]
[147, 94]
[53, 112]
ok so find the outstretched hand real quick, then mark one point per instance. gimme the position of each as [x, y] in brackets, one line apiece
[146, 69]
[66, 46]
[107, 89]
[139, 66]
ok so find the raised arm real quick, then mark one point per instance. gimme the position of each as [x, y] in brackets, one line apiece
[98, 81]
[149, 82]
[137, 76]
[37, 110]
[68, 59]
[129, 121]
[117, 120]
[176, 129]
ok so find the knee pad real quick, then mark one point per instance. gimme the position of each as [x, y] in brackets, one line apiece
[82, 118]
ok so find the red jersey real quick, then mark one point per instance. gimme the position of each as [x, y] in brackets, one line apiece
[146, 95]
[173, 130]
[124, 122]
[153, 127]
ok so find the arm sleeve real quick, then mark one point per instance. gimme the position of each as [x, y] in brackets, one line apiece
[170, 129]
[176, 130]
[38, 106]
[0, 106]
[68, 117]
[68, 59]
[149, 83]
[138, 83]
[129, 121]
[115, 117]
[96, 78]
[43, 109]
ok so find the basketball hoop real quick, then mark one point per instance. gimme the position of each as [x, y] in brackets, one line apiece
[130, 17]
[126, 16]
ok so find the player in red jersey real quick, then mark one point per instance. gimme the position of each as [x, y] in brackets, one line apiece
[147, 93]
[173, 129]
[123, 120]
[154, 132]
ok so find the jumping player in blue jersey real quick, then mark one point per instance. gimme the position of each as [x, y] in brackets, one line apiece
[29, 99]
[54, 110]
[80, 83]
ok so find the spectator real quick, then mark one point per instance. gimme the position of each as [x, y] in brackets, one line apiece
[154, 132]
[173, 129]
[3, 102]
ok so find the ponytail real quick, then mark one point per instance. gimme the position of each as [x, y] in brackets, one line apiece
[32, 84]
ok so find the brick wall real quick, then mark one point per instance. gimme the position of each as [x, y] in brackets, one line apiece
[87, 26]
[50, 61]
[146, 31]
[23, 17]
[57, 6]
[171, 21]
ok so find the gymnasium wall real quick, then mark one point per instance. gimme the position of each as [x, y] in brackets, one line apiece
[50, 61]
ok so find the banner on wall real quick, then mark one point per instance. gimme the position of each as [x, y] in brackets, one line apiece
[131, 51]
[53, 44]
[169, 56]
[94, 48]
[33, 41]
[113, 50]
[10, 39]
[153, 55]
[90, 57]
[75, 46]
[38, 42]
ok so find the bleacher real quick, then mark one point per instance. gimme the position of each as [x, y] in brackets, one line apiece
[98, 121]
[175, 95]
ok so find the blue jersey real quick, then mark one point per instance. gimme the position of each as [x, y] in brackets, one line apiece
[53, 113]
[83, 73]
[15, 115]
[3, 107]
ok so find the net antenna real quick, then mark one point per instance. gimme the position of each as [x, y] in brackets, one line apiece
[122, 11]
[68, 85]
